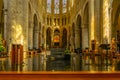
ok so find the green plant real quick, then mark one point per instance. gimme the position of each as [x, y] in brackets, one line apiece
[67, 51]
[2, 48]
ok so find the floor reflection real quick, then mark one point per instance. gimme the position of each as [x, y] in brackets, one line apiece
[41, 62]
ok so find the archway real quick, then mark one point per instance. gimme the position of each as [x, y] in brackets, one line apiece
[35, 33]
[64, 38]
[85, 34]
[2, 18]
[56, 38]
[115, 19]
[78, 35]
[48, 38]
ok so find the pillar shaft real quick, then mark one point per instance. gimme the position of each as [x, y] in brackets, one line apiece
[106, 22]
[91, 20]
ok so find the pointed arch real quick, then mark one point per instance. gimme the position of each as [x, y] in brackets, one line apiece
[64, 38]
[2, 18]
[35, 32]
[78, 35]
[48, 37]
[115, 26]
[56, 38]
[85, 29]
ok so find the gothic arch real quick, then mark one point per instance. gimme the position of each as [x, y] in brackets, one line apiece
[115, 19]
[85, 29]
[64, 38]
[78, 34]
[2, 18]
[56, 38]
[48, 37]
[35, 33]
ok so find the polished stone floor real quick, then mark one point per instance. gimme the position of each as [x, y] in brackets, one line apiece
[57, 62]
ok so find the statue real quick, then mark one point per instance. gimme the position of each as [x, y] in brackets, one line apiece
[113, 46]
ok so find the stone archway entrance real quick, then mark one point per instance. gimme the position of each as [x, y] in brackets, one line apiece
[56, 38]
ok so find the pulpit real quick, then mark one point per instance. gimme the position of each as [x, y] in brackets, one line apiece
[17, 54]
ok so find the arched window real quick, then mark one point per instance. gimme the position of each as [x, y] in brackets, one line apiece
[64, 5]
[49, 6]
[56, 6]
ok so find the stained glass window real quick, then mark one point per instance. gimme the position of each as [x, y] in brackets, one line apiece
[56, 6]
[49, 6]
[64, 5]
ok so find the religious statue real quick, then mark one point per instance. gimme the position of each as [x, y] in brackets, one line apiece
[113, 46]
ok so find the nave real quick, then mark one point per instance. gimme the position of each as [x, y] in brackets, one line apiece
[54, 60]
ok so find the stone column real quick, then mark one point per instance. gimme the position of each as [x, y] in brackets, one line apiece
[106, 22]
[44, 37]
[91, 21]
[30, 35]
[52, 38]
[11, 22]
[77, 37]
[24, 21]
[97, 23]
[5, 18]
[68, 37]
[36, 32]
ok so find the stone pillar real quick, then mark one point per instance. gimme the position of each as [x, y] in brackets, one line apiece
[30, 35]
[77, 37]
[97, 23]
[5, 18]
[18, 23]
[61, 36]
[44, 37]
[91, 21]
[11, 22]
[68, 37]
[52, 37]
[85, 34]
[36, 35]
[106, 22]
[24, 20]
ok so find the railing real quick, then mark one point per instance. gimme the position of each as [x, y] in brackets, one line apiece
[60, 76]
